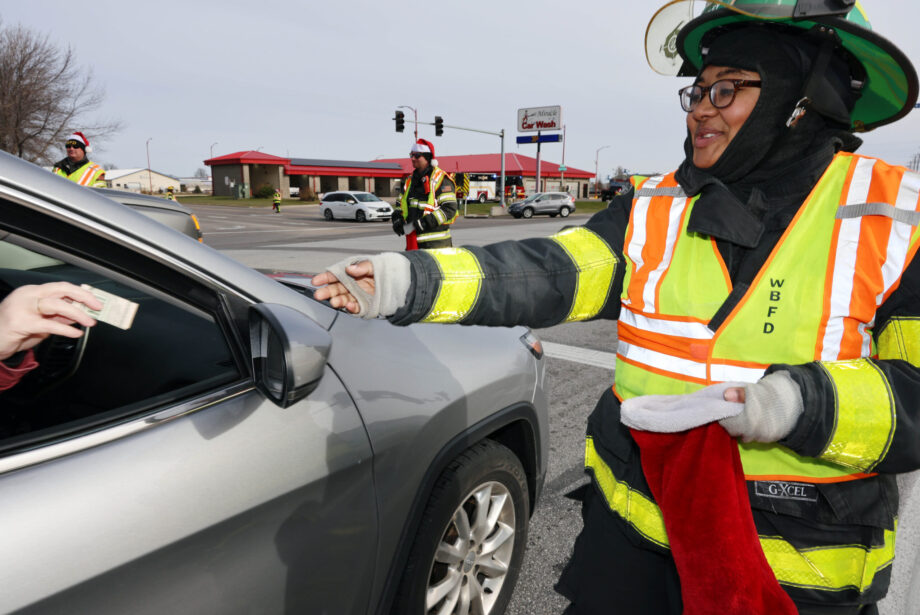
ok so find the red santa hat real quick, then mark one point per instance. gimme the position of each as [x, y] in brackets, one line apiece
[424, 147]
[81, 140]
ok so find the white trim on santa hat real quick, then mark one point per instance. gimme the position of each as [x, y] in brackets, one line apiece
[79, 136]
[424, 147]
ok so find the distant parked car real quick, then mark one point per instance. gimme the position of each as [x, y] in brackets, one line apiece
[170, 213]
[550, 203]
[354, 205]
[295, 191]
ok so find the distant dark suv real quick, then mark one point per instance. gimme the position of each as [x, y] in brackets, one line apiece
[614, 189]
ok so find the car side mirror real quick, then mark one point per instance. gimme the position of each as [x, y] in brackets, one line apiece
[289, 352]
[352, 201]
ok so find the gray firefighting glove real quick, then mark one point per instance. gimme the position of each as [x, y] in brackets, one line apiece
[772, 407]
[392, 275]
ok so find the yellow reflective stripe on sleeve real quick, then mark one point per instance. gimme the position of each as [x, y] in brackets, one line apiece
[828, 568]
[439, 216]
[901, 340]
[461, 281]
[637, 509]
[596, 264]
[446, 196]
[865, 417]
[433, 236]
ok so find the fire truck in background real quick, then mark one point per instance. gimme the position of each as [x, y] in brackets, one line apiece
[485, 186]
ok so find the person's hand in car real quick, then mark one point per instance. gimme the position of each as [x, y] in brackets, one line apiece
[31, 313]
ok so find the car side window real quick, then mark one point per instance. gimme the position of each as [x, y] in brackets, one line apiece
[174, 351]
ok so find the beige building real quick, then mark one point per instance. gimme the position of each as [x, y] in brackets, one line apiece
[140, 180]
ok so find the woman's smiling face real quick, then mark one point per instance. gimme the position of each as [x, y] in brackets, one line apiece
[712, 129]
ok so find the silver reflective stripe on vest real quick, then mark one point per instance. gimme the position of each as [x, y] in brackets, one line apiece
[675, 191]
[878, 209]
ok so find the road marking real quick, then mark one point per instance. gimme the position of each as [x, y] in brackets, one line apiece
[597, 358]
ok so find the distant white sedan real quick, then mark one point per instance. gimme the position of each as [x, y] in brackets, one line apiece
[354, 205]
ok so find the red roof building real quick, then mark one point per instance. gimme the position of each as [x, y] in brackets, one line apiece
[237, 174]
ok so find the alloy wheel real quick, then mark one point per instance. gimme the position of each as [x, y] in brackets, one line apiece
[474, 554]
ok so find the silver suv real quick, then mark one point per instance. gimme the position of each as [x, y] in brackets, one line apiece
[243, 448]
[550, 203]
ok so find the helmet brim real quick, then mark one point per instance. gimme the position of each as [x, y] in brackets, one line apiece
[891, 85]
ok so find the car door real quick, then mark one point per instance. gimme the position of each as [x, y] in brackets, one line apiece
[333, 201]
[543, 204]
[141, 469]
[349, 206]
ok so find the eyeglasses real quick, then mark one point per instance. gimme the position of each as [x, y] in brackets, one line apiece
[721, 93]
[72, 145]
[416, 155]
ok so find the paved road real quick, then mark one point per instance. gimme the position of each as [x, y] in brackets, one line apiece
[579, 366]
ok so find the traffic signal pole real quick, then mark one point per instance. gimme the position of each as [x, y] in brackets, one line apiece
[439, 124]
[500, 134]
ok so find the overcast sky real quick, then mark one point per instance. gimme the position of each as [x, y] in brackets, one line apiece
[322, 79]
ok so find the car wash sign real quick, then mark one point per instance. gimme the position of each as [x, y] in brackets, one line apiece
[535, 119]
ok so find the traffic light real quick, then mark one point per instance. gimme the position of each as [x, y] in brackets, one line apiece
[400, 121]
[438, 125]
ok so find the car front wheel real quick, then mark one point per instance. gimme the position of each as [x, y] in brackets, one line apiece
[360, 216]
[468, 550]
[527, 212]
[327, 214]
[564, 212]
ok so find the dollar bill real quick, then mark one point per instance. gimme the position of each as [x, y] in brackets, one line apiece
[115, 310]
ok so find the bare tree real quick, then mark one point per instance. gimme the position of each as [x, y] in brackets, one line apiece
[44, 97]
[201, 173]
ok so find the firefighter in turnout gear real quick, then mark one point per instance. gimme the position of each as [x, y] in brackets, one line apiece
[276, 201]
[765, 408]
[170, 195]
[428, 205]
[76, 166]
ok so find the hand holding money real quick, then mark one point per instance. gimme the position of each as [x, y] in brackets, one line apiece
[115, 310]
[30, 314]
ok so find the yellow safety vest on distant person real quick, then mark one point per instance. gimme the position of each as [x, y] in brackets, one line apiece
[430, 206]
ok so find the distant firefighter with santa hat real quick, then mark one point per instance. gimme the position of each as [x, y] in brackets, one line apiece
[428, 205]
[76, 166]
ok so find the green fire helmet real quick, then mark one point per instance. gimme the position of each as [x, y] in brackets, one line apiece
[883, 78]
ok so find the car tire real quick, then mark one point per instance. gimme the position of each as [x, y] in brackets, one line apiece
[327, 214]
[360, 216]
[482, 198]
[450, 570]
[564, 212]
[527, 212]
